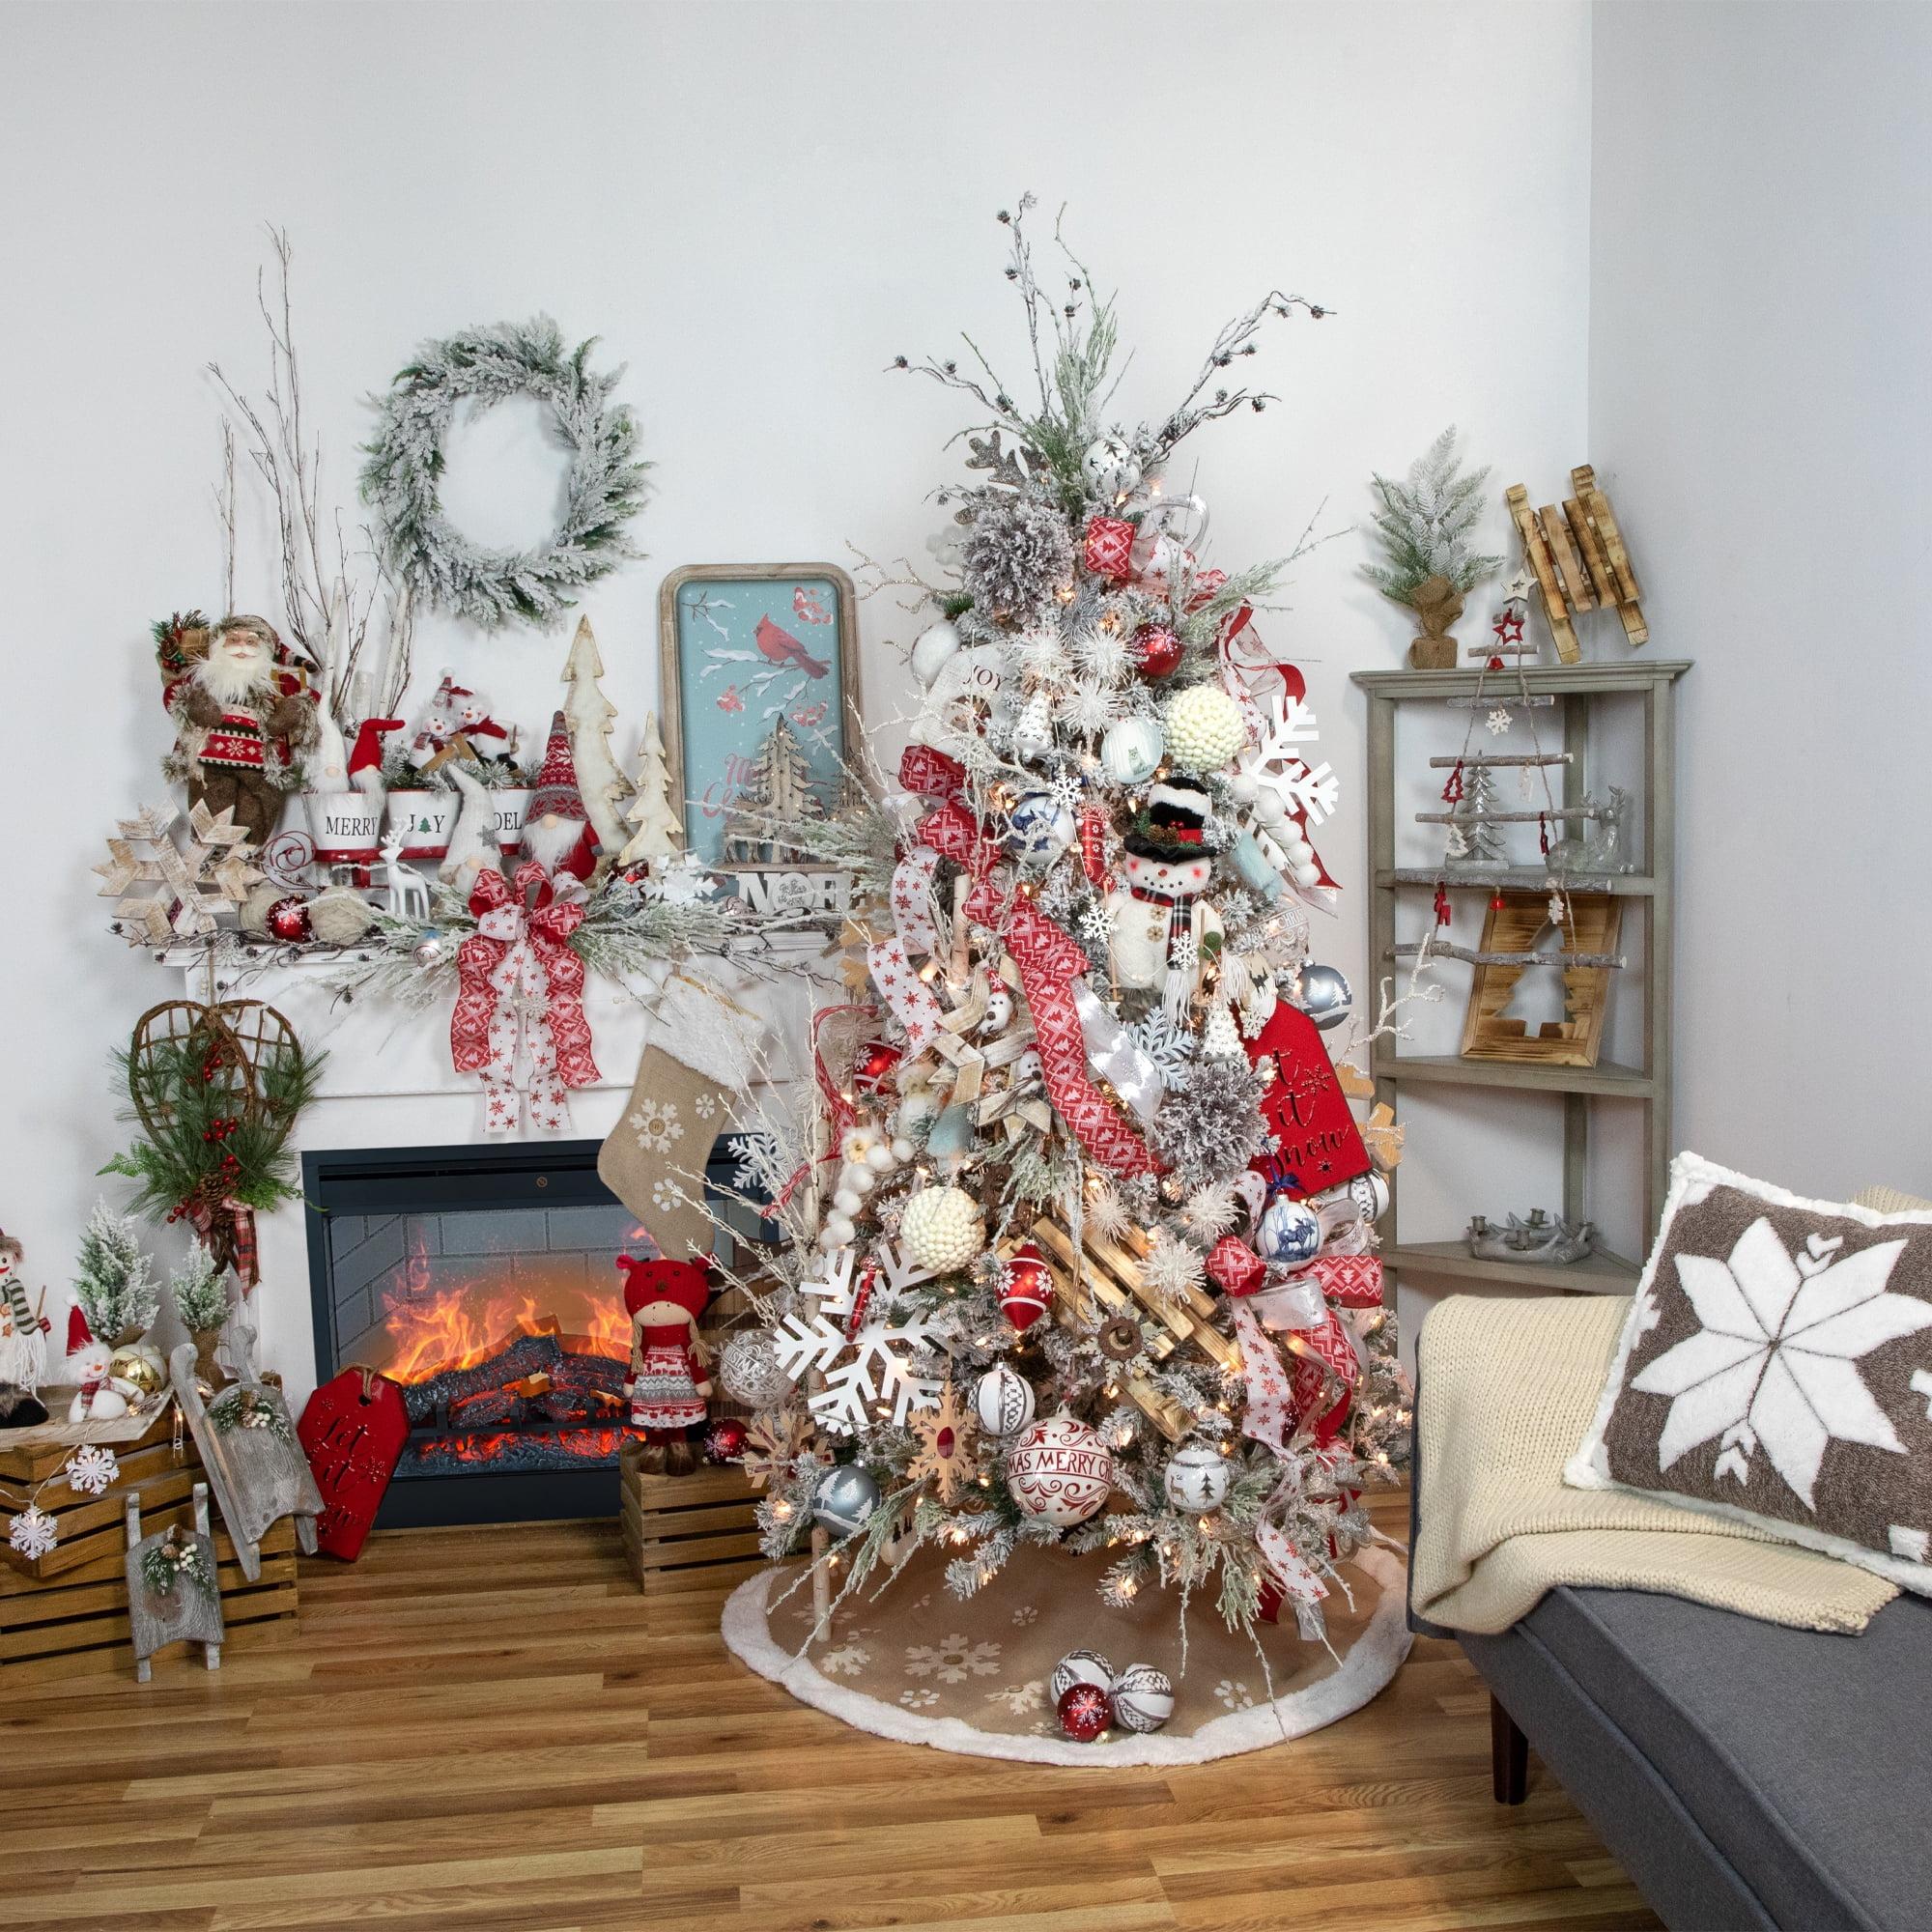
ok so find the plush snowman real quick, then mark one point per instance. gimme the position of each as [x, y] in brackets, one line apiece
[1162, 927]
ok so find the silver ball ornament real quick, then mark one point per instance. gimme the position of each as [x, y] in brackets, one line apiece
[1110, 469]
[750, 1372]
[1323, 994]
[433, 952]
[845, 1499]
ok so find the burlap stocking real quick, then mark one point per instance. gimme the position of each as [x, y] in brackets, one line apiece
[696, 1064]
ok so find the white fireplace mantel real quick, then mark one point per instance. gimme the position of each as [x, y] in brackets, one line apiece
[387, 1082]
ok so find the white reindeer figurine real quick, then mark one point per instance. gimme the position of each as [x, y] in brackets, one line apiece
[409, 890]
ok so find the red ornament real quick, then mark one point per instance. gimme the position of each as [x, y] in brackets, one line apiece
[873, 1069]
[1319, 1145]
[352, 1431]
[1093, 823]
[1509, 626]
[724, 1440]
[288, 921]
[1268, 1601]
[1235, 1268]
[1025, 1287]
[1084, 1711]
[1110, 548]
[1157, 650]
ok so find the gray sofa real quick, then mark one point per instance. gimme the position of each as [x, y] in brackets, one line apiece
[1744, 1774]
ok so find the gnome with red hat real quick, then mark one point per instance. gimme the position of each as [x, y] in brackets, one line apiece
[556, 829]
[668, 1386]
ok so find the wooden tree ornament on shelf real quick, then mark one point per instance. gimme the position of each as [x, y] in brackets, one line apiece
[1509, 932]
[1579, 560]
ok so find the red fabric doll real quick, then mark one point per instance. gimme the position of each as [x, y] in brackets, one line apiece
[668, 1386]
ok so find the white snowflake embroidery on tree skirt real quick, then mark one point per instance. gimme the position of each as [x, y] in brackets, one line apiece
[1775, 1365]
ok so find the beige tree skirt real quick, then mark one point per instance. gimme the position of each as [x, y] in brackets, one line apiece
[918, 1664]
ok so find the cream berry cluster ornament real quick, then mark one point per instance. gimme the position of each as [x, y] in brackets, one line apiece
[1204, 728]
[941, 1230]
[864, 1152]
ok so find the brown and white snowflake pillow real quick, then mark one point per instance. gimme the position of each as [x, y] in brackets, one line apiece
[1776, 1367]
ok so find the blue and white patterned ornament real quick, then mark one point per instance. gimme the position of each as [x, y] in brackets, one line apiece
[1040, 829]
[1290, 1234]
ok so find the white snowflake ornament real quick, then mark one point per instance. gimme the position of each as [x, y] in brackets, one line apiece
[1499, 720]
[32, 1533]
[1276, 769]
[92, 1470]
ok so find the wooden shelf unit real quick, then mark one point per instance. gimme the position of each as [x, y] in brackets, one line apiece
[1652, 681]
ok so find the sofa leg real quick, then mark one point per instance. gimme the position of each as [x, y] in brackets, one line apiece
[1509, 1757]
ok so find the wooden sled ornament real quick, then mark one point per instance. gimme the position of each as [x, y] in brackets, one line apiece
[1578, 560]
[1102, 1280]
[258, 1476]
[187, 1613]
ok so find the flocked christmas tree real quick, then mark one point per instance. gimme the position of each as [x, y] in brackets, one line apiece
[114, 1279]
[778, 793]
[1082, 1252]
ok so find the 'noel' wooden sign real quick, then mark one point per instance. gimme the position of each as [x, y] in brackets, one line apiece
[782, 888]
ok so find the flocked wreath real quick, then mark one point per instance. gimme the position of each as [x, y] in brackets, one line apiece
[404, 472]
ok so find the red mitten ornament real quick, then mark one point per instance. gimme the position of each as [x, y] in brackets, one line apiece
[1321, 1147]
[352, 1431]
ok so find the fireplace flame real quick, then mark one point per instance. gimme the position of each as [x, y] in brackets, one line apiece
[459, 1326]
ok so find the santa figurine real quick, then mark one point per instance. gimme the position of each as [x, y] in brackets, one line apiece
[557, 833]
[240, 715]
[1162, 927]
[668, 1388]
[23, 1329]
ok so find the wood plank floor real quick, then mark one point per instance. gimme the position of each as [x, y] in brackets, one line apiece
[491, 1731]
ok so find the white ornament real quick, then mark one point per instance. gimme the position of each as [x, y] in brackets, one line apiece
[1131, 751]
[1498, 721]
[941, 1229]
[1198, 1477]
[872, 1367]
[930, 650]
[1204, 728]
[1110, 470]
[1284, 782]
[1003, 1401]
[92, 1470]
[33, 1532]
[999, 1013]
[1041, 829]
[1032, 735]
[750, 1372]
[1079, 1667]
[1142, 1699]
[1059, 1472]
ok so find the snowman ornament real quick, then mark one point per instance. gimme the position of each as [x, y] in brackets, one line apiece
[1162, 927]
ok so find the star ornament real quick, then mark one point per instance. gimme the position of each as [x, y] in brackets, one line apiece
[1775, 1365]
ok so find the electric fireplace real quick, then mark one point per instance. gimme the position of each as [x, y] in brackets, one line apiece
[484, 1281]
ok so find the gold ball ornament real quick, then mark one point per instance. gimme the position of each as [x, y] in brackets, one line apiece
[139, 1368]
[941, 1230]
[1204, 728]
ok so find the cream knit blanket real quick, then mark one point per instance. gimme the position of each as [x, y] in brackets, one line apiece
[1508, 1391]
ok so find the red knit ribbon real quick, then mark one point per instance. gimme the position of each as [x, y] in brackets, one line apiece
[1350, 1281]
[1323, 1357]
[520, 950]
[1049, 962]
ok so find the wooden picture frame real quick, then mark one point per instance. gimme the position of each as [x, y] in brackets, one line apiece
[794, 629]
[1513, 923]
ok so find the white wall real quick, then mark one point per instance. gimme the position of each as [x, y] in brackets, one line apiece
[1761, 407]
[754, 206]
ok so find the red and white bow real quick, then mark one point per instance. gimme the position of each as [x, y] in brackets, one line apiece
[519, 993]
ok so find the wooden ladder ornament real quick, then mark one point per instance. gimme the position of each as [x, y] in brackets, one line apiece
[1578, 560]
[1102, 1274]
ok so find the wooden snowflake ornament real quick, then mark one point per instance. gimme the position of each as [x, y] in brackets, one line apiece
[944, 1456]
[194, 882]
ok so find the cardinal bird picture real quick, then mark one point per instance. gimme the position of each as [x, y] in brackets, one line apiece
[782, 648]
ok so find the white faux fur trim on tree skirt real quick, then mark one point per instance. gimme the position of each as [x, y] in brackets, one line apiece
[1041, 1610]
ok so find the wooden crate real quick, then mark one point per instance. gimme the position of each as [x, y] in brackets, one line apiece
[66, 1613]
[694, 1532]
